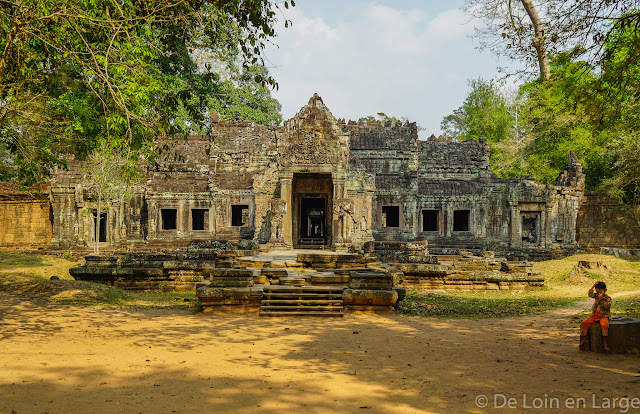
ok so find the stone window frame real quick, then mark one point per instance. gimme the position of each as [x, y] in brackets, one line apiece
[206, 218]
[161, 218]
[400, 216]
[250, 208]
[469, 220]
[439, 222]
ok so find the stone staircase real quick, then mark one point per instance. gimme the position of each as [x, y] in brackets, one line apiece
[279, 300]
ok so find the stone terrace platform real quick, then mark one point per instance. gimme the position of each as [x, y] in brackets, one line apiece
[302, 282]
[295, 282]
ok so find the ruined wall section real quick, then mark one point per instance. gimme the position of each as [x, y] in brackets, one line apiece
[176, 183]
[604, 222]
[67, 201]
[25, 218]
[456, 192]
[467, 160]
[74, 210]
[243, 172]
[389, 152]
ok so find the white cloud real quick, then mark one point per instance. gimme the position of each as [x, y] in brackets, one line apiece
[377, 59]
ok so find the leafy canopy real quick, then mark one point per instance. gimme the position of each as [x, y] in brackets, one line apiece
[79, 72]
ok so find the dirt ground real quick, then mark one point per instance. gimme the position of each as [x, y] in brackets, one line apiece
[95, 360]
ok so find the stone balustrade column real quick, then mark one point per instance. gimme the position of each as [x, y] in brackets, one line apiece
[287, 218]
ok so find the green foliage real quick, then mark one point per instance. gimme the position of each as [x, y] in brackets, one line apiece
[80, 72]
[487, 112]
[627, 306]
[484, 113]
[582, 108]
[12, 260]
[384, 119]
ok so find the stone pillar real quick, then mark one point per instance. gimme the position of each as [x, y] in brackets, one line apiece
[153, 219]
[286, 194]
[182, 221]
[516, 238]
[545, 226]
[337, 225]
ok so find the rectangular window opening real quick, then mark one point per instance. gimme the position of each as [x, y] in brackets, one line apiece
[390, 216]
[240, 215]
[461, 220]
[169, 218]
[430, 220]
[200, 219]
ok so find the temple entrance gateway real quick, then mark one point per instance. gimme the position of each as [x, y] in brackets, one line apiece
[312, 200]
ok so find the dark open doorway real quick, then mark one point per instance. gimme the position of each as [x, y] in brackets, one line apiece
[530, 222]
[312, 196]
[312, 221]
[102, 228]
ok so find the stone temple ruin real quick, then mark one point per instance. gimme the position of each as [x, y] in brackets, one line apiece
[320, 182]
[224, 211]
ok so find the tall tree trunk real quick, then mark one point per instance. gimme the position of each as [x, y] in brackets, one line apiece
[538, 40]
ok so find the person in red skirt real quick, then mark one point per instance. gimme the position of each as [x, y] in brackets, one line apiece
[601, 311]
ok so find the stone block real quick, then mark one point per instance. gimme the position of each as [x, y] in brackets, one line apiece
[101, 261]
[402, 293]
[212, 296]
[370, 280]
[624, 336]
[329, 278]
[369, 297]
[292, 281]
[418, 269]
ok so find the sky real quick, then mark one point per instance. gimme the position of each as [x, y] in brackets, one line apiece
[406, 58]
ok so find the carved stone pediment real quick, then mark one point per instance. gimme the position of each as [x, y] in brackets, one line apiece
[313, 136]
[313, 147]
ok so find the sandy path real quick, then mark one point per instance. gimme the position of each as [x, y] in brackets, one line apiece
[92, 360]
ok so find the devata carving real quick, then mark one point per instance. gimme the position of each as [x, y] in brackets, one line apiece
[278, 210]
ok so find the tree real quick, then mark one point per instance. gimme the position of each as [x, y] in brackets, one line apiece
[513, 28]
[484, 113]
[109, 178]
[487, 113]
[528, 33]
[76, 72]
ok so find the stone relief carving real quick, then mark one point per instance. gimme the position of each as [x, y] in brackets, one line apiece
[278, 210]
[344, 208]
[312, 147]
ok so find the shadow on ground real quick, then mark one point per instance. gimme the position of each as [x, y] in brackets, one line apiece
[70, 359]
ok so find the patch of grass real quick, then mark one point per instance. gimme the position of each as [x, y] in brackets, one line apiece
[81, 293]
[477, 304]
[60, 291]
[562, 288]
[629, 306]
[181, 300]
[13, 260]
[620, 275]
[28, 275]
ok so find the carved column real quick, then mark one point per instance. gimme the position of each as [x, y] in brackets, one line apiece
[516, 237]
[287, 218]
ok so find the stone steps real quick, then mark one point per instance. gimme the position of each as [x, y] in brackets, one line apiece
[281, 300]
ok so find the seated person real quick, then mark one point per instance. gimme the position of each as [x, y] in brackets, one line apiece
[600, 313]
